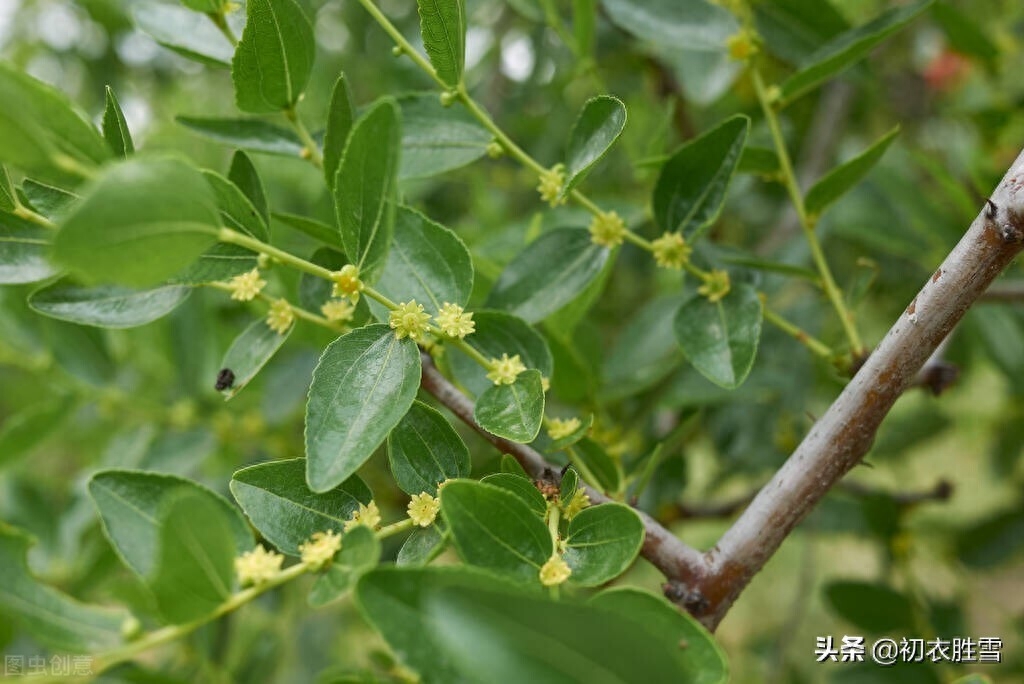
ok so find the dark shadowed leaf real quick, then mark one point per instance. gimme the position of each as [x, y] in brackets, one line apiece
[595, 131]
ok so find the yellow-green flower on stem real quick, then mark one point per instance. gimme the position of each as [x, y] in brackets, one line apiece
[280, 316]
[409, 320]
[454, 321]
[554, 572]
[671, 251]
[338, 310]
[563, 427]
[551, 183]
[716, 286]
[257, 566]
[742, 45]
[423, 509]
[580, 500]
[368, 514]
[320, 549]
[347, 283]
[245, 286]
[505, 370]
[607, 229]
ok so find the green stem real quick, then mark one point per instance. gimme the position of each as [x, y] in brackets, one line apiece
[401, 42]
[832, 291]
[242, 240]
[21, 211]
[818, 347]
[314, 150]
[299, 312]
[73, 166]
[395, 528]
[221, 22]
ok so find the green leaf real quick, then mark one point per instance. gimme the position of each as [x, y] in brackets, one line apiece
[523, 487]
[874, 608]
[48, 200]
[41, 131]
[567, 488]
[437, 139]
[848, 48]
[511, 466]
[245, 177]
[141, 222]
[759, 160]
[645, 351]
[51, 616]
[596, 129]
[550, 273]
[443, 27]
[692, 185]
[720, 338]
[281, 506]
[493, 528]
[514, 412]
[236, 211]
[247, 134]
[365, 382]
[187, 33]
[599, 463]
[8, 199]
[424, 450]
[365, 185]
[499, 333]
[360, 552]
[427, 262]
[703, 660]
[194, 572]
[993, 540]
[23, 431]
[964, 34]
[204, 6]
[844, 177]
[422, 546]
[106, 306]
[24, 247]
[130, 503]
[274, 58]
[793, 29]
[220, 262]
[115, 128]
[340, 117]
[603, 541]
[249, 353]
[317, 230]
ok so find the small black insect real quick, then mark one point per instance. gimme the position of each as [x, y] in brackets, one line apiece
[225, 379]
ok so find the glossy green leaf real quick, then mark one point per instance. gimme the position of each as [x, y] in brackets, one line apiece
[848, 48]
[140, 222]
[274, 57]
[644, 352]
[236, 211]
[510, 465]
[702, 660]
[8, 199]
[443, 28]
[514, 412]
[23, 431]
[523, 487]
[249, 353]
[567, 487]
[340, 117]
[424, 450]
[41, 131]
[220, 262]
[51, 616]
[187, 33]
[130, 502]
[360, 552]
[247, 134]
[437, 139]
[499, 333]
[422, 546]
[365, 185]
[115, 128]
[244, 176]
[427, 262]
[720, 338]
[596, 129]
[277, 500]
[844, 177]
[365, 382]
[692, 185]
[24, 248]
[551, 272]
[874, 608]
[106, 306]
[195, 570]
[493, 528]
[602, 542]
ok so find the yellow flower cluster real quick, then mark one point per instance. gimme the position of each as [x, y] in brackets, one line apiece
[741, 45]
[257, 566]
[505, 370]
[563, 427]
[423, 509]
[320, 549]
[671, 251]
[338, 310]
[554, 572]
[368, 514]
[577, 503]
[409, 320]
[455, 321]
[280, 316]
[716, 286]
[246, 286]
[607, 229]
[347, 283]
[551, 183]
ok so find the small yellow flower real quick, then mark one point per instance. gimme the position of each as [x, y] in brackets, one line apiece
[545, 383]
[320, 549]
[347, 283]
[551, 183]
[423, 509]
[505, 370]
[495, 149]
[577, 503]
[246, 286]
[280, 316]
[607, 229]
[742, 45]
[563, 427]
[716, 286]
[257, 566]
[367, 514]
[454, 321]
[409, 320]
[554, 572]
[671, 251]
[338, 310]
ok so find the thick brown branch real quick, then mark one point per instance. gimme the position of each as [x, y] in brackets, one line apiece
[842, 436]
